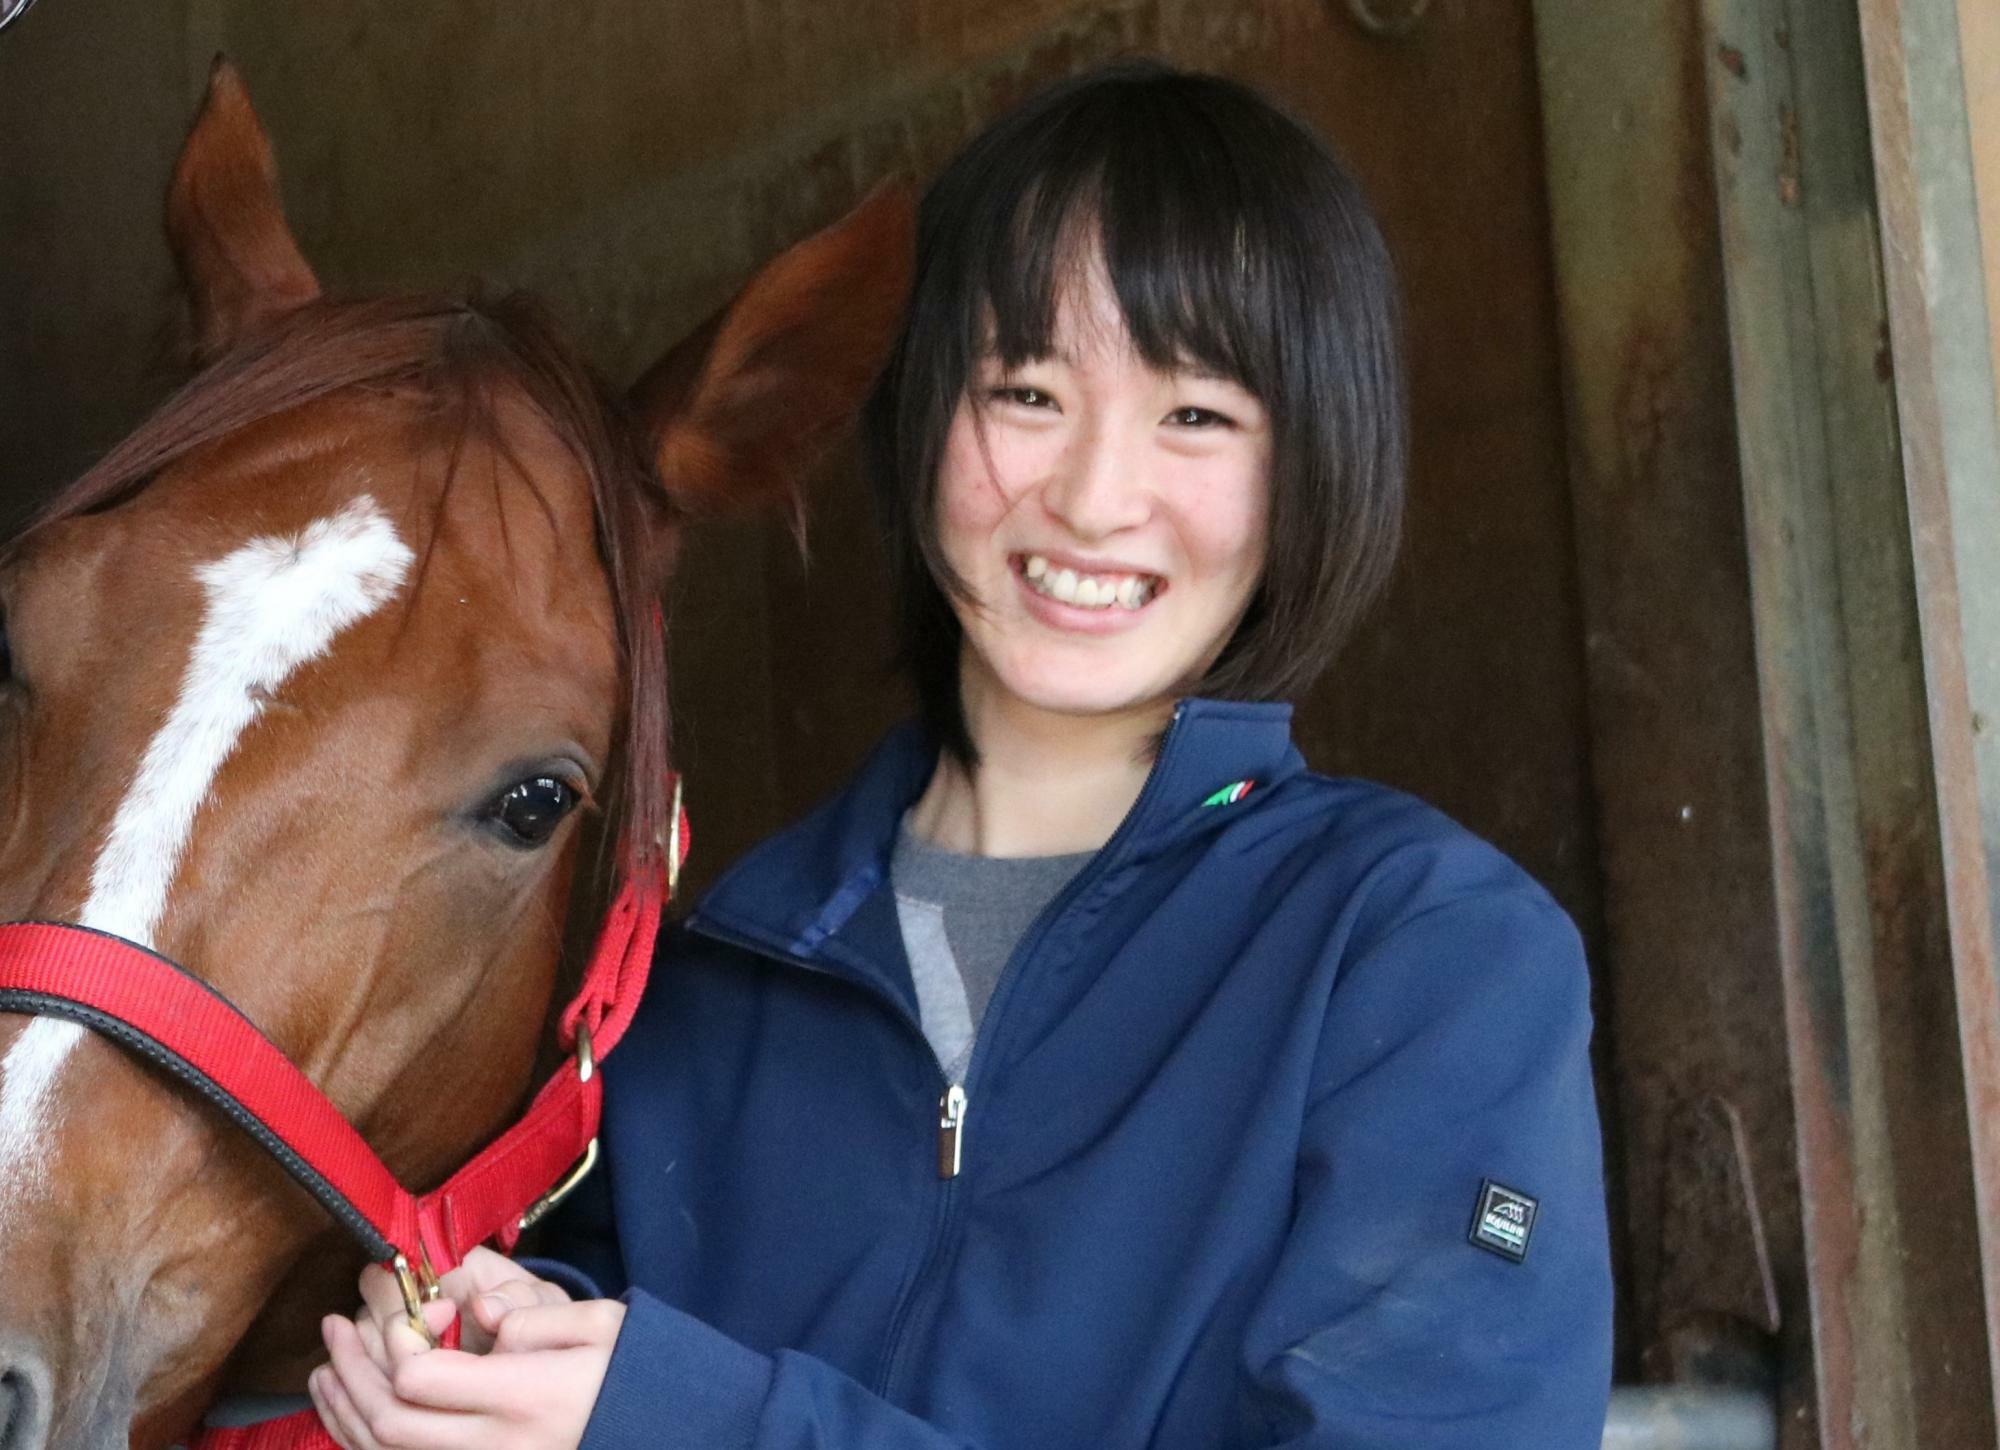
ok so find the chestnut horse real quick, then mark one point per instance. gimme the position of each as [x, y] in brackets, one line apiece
[307, 685]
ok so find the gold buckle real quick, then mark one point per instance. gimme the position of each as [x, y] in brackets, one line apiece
[586, 1069]
[418, 1289]
[427, 1277]
[540, 1208]
[674, 846]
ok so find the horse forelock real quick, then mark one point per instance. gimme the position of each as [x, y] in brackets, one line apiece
[464, 358]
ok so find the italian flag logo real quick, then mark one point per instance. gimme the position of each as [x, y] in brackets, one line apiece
[1229, 795]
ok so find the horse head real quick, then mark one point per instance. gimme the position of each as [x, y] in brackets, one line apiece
[308, 685]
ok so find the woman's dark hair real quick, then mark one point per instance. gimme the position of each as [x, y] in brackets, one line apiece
[1234, 241]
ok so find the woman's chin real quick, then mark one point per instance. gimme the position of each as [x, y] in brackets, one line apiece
[1085, 696]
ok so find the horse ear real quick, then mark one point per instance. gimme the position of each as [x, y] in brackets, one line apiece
[739, 409]
[227, 223]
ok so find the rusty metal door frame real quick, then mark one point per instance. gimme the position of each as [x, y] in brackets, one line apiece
[1788, 503]
[1942, 332]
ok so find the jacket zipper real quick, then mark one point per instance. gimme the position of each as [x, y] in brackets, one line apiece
[951, 1106]
[951, 1131]
[951, 1101]
[956, 1100]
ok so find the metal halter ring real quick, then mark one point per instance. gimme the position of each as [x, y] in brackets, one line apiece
[586, 1068]
[12, 10]
[541, 1207]
[674, 853]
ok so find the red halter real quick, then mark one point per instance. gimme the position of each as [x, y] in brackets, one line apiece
[159, 1011]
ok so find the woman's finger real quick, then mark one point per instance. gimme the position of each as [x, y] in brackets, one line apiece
[379, 1292]
[526, 1293]
[401, 1341]
[363, 1385]
[329, 1422]
[488, 1309]
[349, 1362]
[370, 1334]
[484, 1272]
[337, 1412]
[482, 1320]
[380, 1417]
[479, 1388]
[591, 1323]
[511, 1294]
[534, 1397]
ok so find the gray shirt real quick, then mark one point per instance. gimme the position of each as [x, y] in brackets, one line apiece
[962, 917]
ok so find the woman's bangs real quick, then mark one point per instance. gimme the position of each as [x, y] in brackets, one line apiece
[1182, 269]
[1187, 290]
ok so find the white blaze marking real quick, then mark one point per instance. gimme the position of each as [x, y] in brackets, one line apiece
[273, 605]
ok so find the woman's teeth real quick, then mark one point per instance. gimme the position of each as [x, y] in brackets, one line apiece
[1089, 591]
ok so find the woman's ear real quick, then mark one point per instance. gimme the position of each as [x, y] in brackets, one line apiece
[226, 222]
[737, 412]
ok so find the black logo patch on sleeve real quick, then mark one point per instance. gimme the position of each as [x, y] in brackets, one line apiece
[1503, 1221]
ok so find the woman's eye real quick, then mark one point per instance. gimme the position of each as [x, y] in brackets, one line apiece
[528, 812]
[1026, 397]
[1198, 418]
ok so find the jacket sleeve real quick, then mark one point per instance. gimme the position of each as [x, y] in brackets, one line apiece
[1454, 1057]
[675, 1380]
[1454, 1052]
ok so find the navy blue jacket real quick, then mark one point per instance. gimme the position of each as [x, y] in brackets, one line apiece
[1232, 1116]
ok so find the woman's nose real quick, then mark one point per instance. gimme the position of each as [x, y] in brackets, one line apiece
[1098, 488]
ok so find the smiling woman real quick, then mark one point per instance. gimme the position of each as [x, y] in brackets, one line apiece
[1104, 523]
[1262, 1108]
[1202, 256]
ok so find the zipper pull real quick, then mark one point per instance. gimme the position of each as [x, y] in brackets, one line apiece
[951, 1131]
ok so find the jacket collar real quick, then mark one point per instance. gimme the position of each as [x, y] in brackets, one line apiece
[815, 893]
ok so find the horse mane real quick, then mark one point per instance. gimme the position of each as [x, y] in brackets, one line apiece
[462, 352]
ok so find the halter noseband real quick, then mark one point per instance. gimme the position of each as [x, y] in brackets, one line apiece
[164, 1014]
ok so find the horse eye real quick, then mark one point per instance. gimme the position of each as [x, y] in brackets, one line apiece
[528, 812]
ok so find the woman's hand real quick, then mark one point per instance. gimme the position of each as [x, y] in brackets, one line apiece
[484, 1288]
[531, 1384]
